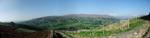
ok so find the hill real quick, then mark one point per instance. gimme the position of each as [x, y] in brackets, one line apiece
[18, 27]
[71, 22]
[132, 28]
[86, 26]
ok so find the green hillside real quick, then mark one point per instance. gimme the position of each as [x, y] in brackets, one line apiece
[84, 26]
[71, 22]
[112, 29]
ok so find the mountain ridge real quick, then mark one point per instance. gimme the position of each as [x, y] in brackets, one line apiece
[73, 20]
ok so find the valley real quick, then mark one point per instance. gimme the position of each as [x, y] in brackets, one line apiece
[82, 26]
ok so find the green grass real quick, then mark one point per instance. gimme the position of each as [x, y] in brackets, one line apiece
[24, 30]
[113, 29]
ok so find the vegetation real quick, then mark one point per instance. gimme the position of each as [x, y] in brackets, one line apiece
[81, 26]
[71, 22]
[123, 26]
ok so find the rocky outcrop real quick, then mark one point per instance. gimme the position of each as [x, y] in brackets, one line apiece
[147, 17]
[147, 33]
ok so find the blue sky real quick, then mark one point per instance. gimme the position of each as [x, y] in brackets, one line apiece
[16, 10]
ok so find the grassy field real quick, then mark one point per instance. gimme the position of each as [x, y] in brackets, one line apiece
[116, 28]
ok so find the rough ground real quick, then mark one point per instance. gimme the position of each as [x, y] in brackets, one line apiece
[137, 33]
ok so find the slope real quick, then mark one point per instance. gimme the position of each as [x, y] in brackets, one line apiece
[133, 28]
[71, 22]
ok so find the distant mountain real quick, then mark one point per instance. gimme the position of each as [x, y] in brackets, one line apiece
[71, 22]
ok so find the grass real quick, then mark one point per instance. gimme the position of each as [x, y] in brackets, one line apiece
[116, 28]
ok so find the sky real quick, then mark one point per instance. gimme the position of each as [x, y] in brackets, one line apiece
[18, 10]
